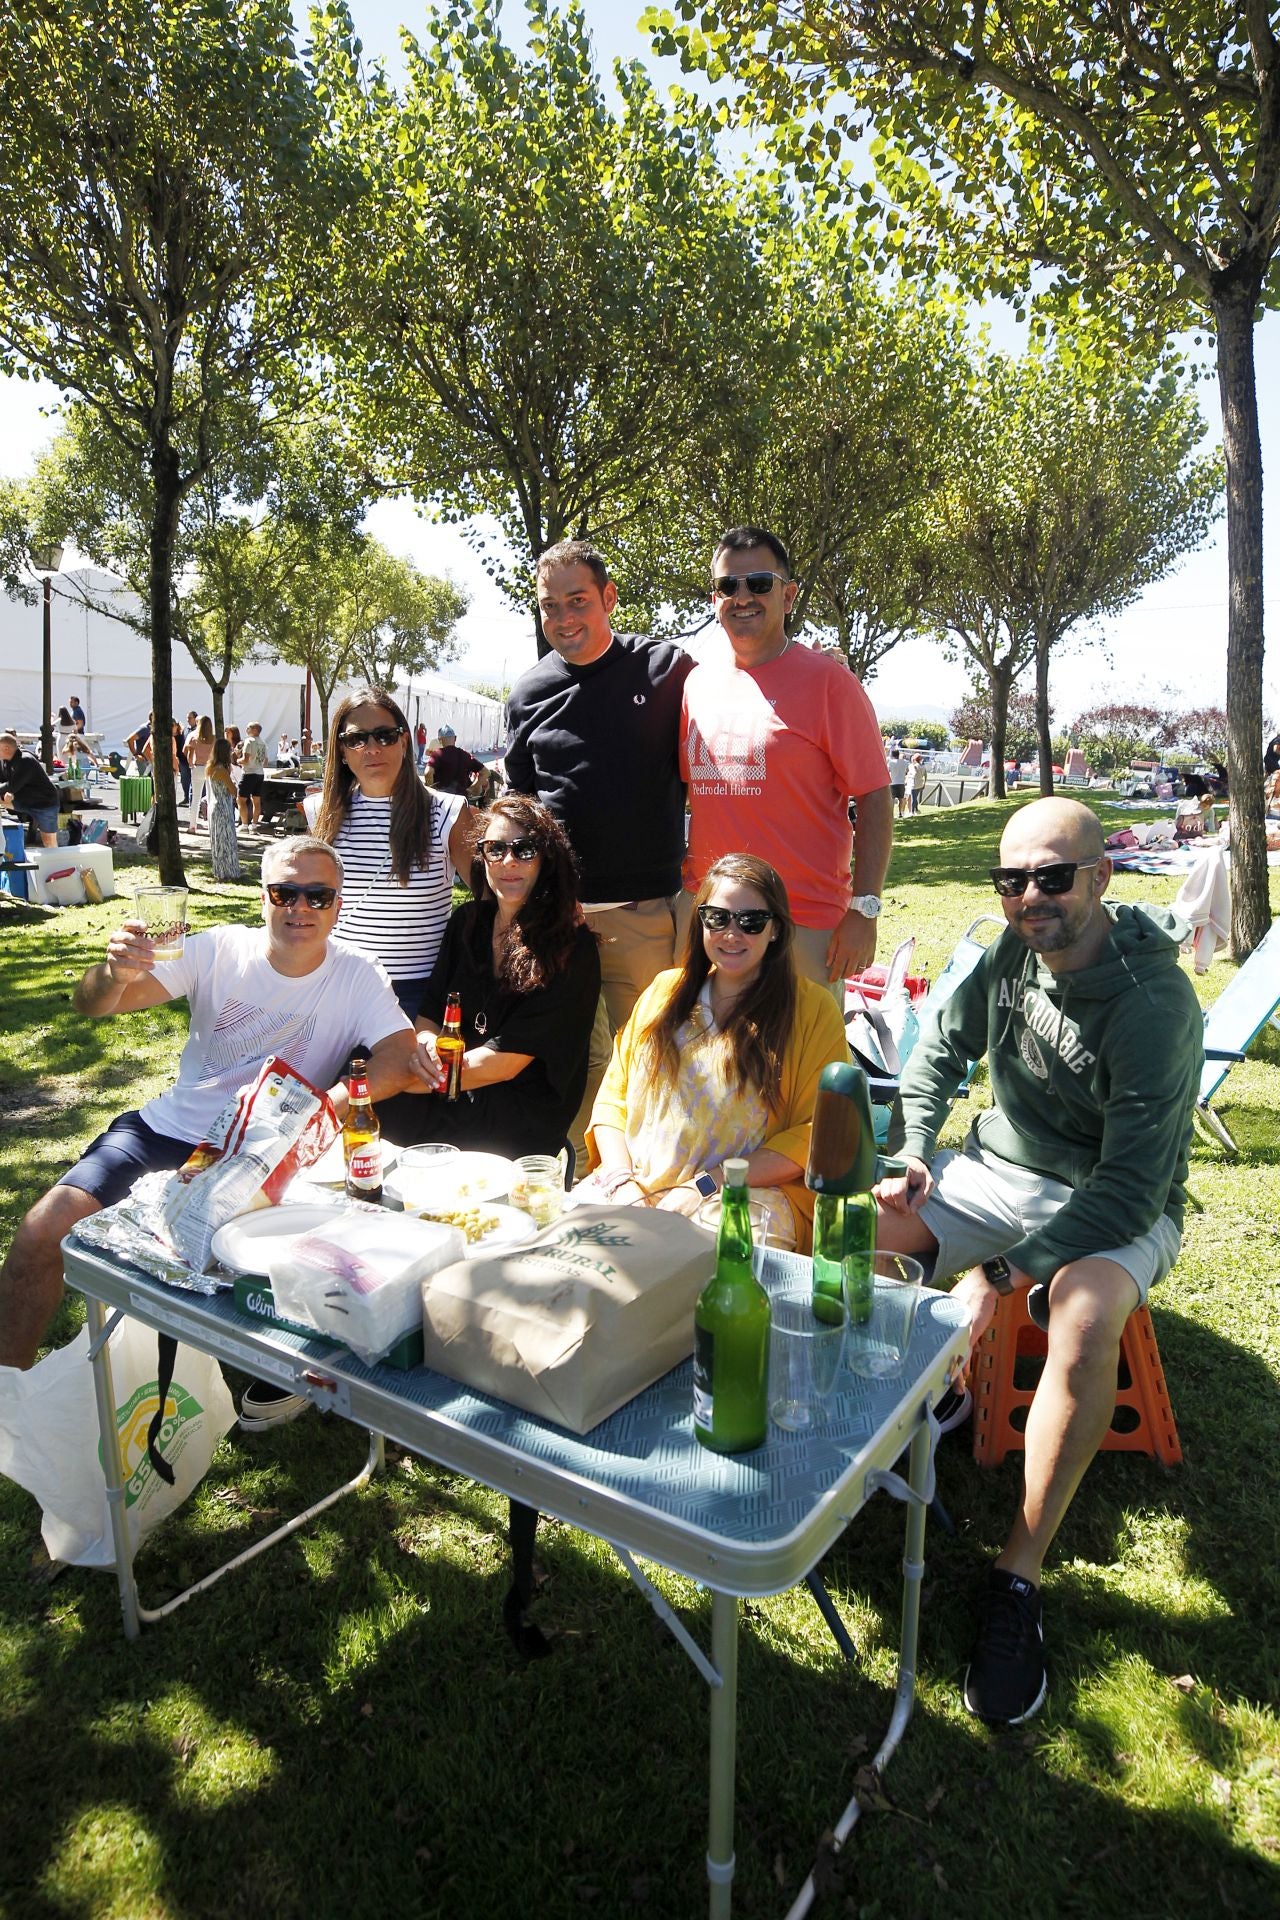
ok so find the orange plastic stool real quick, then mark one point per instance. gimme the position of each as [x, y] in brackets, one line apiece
[1006, 1370]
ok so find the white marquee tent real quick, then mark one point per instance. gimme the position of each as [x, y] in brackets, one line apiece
[109, 665]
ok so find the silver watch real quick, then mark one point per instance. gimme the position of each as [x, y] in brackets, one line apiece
[867, 904]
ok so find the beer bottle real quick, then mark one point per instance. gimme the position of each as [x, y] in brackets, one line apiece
[362, 1137]
[731, 1334]
[450, 1046]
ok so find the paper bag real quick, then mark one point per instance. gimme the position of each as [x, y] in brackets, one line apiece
[578, 1322]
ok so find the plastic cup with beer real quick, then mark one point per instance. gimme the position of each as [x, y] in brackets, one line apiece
[163, 913]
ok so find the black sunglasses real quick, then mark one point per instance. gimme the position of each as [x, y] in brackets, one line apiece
[381, 736]
[1012, 882]
[726, 584]
[495, 850]
[320, 898]
[751, 919]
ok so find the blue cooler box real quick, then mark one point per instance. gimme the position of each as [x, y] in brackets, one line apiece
[15, 848]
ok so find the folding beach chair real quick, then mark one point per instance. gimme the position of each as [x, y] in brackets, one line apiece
[882, 1054]
[1249, 1003]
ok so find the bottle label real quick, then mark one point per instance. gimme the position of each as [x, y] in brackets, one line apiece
[704, 1346]
[364, 1169]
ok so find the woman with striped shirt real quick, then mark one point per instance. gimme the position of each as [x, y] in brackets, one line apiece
[400, 844]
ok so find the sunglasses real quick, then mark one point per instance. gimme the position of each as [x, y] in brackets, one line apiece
[751, 920]
[1012, 882]
[381, 736]
[320, 898]
[727, 584]
[495, 850]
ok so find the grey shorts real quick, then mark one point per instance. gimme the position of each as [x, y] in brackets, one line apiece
[981, 1205]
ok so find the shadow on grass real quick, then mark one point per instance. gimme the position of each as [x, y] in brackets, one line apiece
[342, 1728]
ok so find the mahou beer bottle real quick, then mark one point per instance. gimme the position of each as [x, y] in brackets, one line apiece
[731, 1334]
[362, 1138]
[450, 1046]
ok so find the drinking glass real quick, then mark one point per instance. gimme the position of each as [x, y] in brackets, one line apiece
[804, 1358]
[163, 913]
[878, 1348]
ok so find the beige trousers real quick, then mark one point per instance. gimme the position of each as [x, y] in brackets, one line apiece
[637, 943]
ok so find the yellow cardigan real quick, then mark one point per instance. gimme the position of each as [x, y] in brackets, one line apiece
[817, 1038]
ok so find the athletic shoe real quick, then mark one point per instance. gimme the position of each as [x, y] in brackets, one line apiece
[953, 1409]
[1006, 1682]
[263, 1405]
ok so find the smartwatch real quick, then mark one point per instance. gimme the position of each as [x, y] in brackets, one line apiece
[706, 1185]
[867, 904]
[999, 1274]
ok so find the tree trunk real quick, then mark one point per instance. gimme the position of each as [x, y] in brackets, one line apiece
[164, 523]
[1234, 309]
[217, 695]
[1042, 711]
[1000, 680]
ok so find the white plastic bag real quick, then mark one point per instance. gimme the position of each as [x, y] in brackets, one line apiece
[49, 1438]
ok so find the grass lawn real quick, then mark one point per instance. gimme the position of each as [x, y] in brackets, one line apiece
[343, 1729]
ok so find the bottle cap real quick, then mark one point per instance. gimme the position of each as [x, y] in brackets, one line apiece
[735, 1173]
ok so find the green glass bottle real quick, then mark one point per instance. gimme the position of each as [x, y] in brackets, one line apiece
[731, 1334]
[842, 1168]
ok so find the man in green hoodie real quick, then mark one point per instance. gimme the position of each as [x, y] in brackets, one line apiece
[1071, 1184]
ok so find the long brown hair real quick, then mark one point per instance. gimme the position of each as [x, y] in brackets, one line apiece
[760, 1022]
[411, 804]
[544, 933]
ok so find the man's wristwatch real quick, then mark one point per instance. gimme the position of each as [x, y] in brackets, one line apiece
[867, 904]
[706, 1185]
[999, 1274]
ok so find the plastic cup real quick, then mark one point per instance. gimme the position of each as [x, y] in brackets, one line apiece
[708, 1216]
[804, 1359]
[430, 1157]
[163, 913]
[878, 1348]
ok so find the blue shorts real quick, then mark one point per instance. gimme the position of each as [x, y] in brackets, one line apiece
[108, 1168]
[43, 819]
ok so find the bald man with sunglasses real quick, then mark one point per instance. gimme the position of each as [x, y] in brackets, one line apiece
[1070, 1186]
[283, 988]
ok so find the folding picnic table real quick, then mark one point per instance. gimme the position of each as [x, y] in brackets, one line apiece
[749, 1525]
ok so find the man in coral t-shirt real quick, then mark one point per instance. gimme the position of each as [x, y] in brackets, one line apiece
[773, 742]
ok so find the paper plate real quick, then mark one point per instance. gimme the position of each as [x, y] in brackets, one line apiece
[513, 1228]
[330, 1170]
[464, 1181]
[247, 1243]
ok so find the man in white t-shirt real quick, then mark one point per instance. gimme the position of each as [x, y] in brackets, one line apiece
[283, 988]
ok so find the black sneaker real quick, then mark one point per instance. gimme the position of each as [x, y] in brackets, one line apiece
[1006, 1682]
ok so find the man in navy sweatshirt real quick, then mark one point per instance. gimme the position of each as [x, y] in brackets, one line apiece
[593, 731]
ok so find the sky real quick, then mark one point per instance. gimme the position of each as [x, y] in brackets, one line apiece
[1173, 638]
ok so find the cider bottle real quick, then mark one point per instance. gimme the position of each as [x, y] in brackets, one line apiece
[731, 1334]
[450, 1046]
[362, 1138]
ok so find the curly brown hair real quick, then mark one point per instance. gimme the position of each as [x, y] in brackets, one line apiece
[542, 938]
[411, 804]
[759, 1023]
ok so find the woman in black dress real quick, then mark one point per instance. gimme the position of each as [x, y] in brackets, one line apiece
[527, 972]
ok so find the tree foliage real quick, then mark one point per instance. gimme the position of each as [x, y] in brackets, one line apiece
[975, 719]
[356, 611]
[162, 186]
[542, 299]
[1131, 155]
[15, 541]
[1074, 483]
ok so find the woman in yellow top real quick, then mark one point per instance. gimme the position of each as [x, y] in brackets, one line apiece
[720, 1058]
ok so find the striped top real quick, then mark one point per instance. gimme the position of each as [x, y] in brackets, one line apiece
[401, 926]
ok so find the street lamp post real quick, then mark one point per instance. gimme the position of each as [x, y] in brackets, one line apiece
[47, 560]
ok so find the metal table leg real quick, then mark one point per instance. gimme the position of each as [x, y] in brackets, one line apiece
[112, 1465]
[918, 1481]
[724, 1753]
